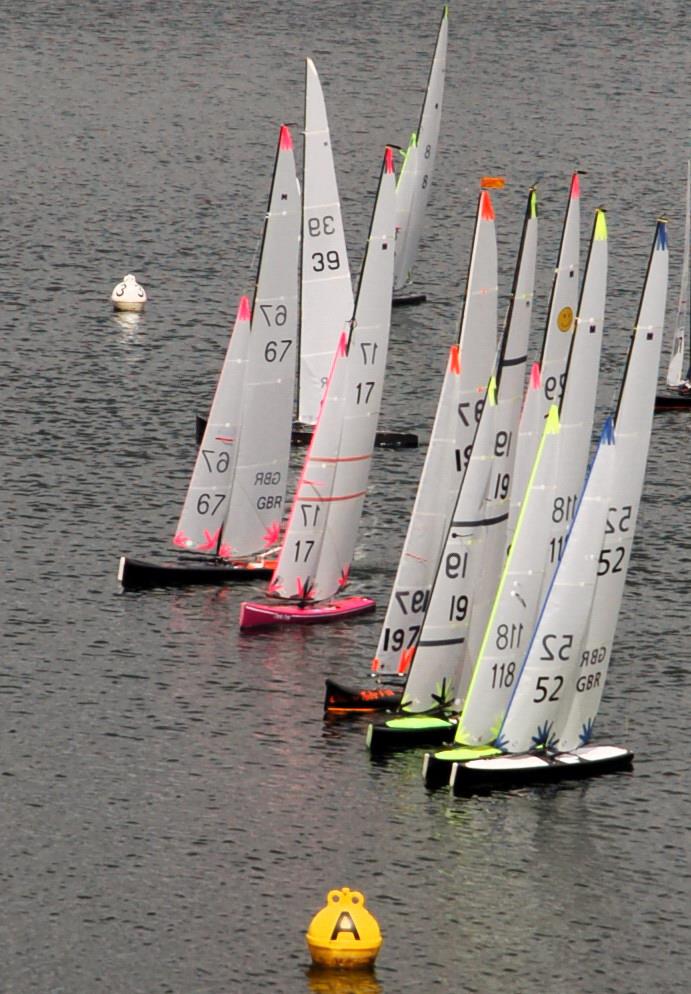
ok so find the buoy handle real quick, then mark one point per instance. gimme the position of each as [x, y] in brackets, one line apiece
[346, 895]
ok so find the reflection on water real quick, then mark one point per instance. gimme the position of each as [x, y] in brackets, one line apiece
[324, 981]
[167, 784]
[129, 324]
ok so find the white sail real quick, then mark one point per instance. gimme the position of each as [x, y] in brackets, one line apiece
[537, 545]
[200, 527]
[259, 482]
[405, 192]
[458, 412]
[675, 370]
[413, 196]
[577, 408]
[546, 680]
[233, 503]
[555, 345]
[516, 601]
[632, 430]
[314, 562]
[475, 544]
[327, 293]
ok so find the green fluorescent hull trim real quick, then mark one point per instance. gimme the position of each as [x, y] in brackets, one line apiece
[417, 722]
[437, 766]
[408, 732]
[464, 753]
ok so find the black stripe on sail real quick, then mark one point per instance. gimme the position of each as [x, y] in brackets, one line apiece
[480, 521]
[441, 641]
[514, 362]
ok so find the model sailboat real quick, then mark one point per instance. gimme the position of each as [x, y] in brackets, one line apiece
[314, 560]
[543, 729]
[678, 396]
[458, 412]
[326, 297]
[475, 541]
[230, 520]
[415, 181]
[451, 642]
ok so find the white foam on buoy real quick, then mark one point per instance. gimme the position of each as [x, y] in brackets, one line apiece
[129, 295]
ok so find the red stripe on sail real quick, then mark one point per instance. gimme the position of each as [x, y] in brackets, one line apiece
[329, 500]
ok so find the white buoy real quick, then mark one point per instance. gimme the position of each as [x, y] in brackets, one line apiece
[129, 295]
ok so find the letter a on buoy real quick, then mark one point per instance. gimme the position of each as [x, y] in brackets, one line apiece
[345, 924]
[344, 933]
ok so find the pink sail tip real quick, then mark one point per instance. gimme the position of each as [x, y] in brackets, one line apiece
[244, 309]
[575, 187]
[285, 140]
[388, 160]
[486, 208]
[535, 376]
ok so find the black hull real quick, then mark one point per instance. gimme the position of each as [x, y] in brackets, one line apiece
[408, 300]
[396, 734]
[673, 402]
[302, 435]
[511, 772]
[134, 574]
[339, 699]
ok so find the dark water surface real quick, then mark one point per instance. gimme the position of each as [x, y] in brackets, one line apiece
[173, 807]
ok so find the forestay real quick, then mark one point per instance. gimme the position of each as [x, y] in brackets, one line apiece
[327, 293]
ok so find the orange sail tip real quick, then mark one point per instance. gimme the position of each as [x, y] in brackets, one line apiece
[375, 664]
[405, 660]
[535, 376]
[244, 309]
[388, 160]
[285, 141]
[492, 182]
[455, 360]
[575, 187]
[486, 209]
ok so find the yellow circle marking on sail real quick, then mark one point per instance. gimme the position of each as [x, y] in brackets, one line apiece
[565, 319]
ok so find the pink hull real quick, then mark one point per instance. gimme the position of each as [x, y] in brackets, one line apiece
[253, 615]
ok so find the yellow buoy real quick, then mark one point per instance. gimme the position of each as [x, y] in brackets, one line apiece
[344, 934]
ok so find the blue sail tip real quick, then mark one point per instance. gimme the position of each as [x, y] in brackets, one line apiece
[661, 236]
[608, 431]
